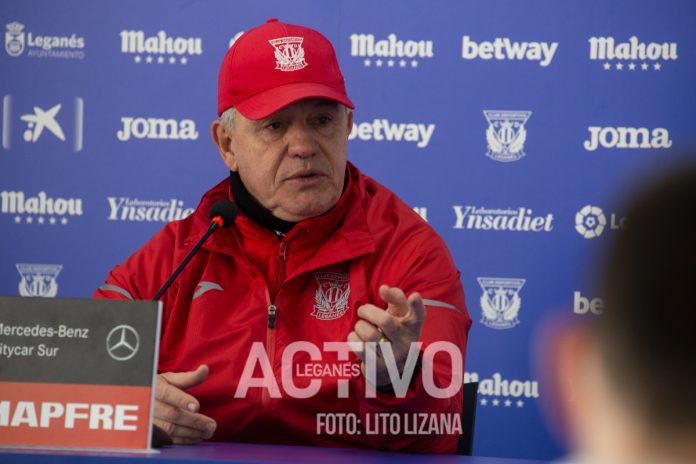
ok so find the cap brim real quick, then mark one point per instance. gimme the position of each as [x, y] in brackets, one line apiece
[266, 103]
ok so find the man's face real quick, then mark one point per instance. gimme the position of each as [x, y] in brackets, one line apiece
[293, 162]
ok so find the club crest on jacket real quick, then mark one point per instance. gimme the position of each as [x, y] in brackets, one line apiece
[331, 298]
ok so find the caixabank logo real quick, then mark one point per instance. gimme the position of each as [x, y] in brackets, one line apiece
[498, 391]
[40, 209]
[632, 55]
[42, 122]
[160, 48]
[384, 130]
[22, 41]
[390, 51]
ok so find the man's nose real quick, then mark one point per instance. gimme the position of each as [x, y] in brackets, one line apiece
[301, 141]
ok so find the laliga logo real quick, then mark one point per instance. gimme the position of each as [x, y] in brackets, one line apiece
[289, 53]
[590, 221]
[506, 134]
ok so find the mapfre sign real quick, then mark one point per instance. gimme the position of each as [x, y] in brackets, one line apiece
[77, 373]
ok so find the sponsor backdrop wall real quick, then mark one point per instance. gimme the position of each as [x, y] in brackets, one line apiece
[509, 126]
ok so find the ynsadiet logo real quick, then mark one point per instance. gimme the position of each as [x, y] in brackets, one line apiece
[632, 54]
[500, 301]
[591, 221]
[43, 124]
[135, 210]
[331, 298]
[382, 130]
[160, 48]
[38, 280]
[627, 137]
[40, 209]
[497, 391]
[157, 128]
[502, 48]
[506, 134]
[42, 46]
[511, 220]
[390, 52]
[289, 54]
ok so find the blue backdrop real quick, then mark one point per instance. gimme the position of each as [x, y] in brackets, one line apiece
[509, 125]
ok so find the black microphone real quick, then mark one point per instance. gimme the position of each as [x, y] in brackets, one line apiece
[222, 214]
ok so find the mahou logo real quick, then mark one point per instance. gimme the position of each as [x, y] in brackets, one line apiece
[135, 210]
[391, 52]
[631, 55]
[160, 48]
[497, 391]
[40, 209]
[626, 137]
[156, 128]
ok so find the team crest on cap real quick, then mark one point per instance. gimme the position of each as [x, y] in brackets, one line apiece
[331, 299]
[506, 134]
[39, 279]
[289, 54]
[500, 302]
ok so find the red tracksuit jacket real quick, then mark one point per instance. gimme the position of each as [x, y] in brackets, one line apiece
[245, 286]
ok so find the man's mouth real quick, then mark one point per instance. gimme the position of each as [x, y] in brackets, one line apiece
[306, 175]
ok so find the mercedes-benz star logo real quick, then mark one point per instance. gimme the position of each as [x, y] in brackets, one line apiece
[122, 342]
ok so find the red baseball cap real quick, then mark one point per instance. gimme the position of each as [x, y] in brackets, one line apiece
[276, 64]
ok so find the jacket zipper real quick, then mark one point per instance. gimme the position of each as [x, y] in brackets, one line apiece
[272, 311]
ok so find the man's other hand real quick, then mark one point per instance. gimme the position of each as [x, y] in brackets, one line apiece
[400, 324]
[176, 412]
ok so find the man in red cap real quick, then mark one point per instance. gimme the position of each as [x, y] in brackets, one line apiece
[255, 330]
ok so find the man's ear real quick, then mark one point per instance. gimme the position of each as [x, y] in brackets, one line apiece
[350, 121]
[222, 138]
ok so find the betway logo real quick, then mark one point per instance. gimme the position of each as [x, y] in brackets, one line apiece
[583, 305]
[506, 393]
[627, 137]
[511, 220]
[606, 48]
[160, 44]
[157, 128]
[134, 210]
[502, 48]
[381, 130]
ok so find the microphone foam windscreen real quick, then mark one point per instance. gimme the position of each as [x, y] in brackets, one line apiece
[226, 210]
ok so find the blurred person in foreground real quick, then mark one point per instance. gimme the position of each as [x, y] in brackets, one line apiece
[320, 255]
[627, 377]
